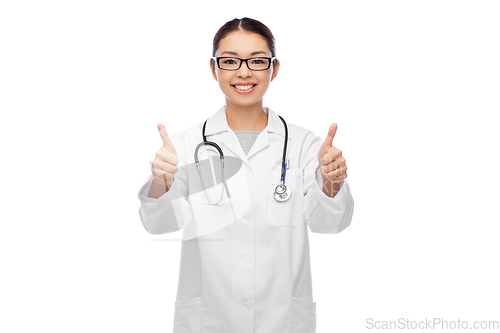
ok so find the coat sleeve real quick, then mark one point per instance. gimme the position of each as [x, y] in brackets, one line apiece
[171, 211]
[321, 213]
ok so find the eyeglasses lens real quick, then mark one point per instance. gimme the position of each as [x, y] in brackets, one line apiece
[253, 63]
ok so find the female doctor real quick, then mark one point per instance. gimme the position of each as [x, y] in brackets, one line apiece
[245, 263]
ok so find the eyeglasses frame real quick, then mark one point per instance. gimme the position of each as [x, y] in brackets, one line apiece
[217, 59]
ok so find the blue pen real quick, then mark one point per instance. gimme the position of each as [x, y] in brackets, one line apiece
[286, 168]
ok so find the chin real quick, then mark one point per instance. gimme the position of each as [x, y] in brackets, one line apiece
[246, 102]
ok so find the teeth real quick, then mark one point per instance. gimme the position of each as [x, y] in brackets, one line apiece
[244, 87]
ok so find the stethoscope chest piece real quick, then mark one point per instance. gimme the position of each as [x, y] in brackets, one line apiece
[282, 192]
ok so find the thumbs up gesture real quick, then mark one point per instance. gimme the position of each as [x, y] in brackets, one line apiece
[165, 163]
[332, 163]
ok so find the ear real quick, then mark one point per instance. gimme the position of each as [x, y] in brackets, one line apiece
[212, 66]
[275, 69]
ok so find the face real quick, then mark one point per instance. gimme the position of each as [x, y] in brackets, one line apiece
[242, 44]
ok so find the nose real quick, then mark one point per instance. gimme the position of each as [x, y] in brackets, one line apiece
[244, 71]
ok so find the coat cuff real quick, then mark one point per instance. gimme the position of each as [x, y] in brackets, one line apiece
[170, 212]
[324, 214]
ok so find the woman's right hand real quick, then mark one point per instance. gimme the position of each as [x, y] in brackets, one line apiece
[165, 163]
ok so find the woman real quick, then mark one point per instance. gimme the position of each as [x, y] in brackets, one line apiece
[246, 267]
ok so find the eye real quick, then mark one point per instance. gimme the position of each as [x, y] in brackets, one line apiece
[228, 61]
[257, 61]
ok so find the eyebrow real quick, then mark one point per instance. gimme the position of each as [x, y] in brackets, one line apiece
[234, 53]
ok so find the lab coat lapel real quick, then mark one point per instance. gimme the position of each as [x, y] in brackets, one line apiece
[232, 142]
[275, 126]
[218, 123]
[259, 144]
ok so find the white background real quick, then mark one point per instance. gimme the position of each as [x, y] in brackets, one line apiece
[414, 89]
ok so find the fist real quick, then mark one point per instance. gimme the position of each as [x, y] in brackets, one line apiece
[333, 167]
[165, 163]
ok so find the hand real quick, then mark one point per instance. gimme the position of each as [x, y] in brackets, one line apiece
[165, 163]
[333, 167]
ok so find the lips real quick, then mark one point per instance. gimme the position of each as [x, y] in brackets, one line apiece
[244, 84]
[243, 91]
[251, 86]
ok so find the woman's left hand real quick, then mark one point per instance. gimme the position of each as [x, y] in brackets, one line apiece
[333, 167]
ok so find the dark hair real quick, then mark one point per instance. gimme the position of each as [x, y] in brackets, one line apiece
[245, 24]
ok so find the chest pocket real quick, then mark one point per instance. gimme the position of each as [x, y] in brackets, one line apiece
[285, 213]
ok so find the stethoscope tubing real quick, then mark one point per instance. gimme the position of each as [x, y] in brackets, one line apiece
[285, 191]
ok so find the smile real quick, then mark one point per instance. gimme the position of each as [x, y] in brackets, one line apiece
[244, 89]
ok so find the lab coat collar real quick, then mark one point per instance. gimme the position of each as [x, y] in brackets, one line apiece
[218, 123]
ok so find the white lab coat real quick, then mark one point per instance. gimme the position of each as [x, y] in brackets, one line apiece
[251, 273]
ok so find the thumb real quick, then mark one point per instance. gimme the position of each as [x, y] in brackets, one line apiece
[166, 140]
[328, 141]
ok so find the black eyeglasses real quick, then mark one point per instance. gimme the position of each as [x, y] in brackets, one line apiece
[233, 64]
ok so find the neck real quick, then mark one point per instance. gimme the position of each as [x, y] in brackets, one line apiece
[246, 117]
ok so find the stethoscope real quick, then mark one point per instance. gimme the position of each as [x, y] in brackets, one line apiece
[282, 192]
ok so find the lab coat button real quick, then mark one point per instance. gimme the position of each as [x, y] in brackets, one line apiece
[247, 260]
[248, 304]
[248, 217]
